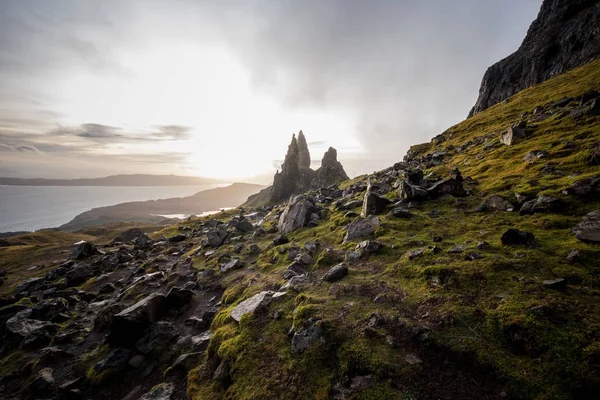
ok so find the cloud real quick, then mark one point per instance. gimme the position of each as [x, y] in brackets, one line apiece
[172, 132]
[21, 148]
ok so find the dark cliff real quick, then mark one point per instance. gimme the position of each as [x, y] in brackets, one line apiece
[565, 35]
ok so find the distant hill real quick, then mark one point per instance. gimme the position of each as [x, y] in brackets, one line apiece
[150, 211]
[114, 180]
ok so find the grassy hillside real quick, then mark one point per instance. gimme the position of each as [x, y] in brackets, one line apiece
[486, 327]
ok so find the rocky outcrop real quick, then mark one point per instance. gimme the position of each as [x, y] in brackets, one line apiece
[296, 176]
[565, 35]
[286, 181]
[297, 214]
[303, 153]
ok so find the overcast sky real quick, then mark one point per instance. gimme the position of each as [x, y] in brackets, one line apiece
[92, 88]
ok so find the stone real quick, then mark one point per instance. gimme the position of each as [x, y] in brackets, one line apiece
[451, 186]
[231, 265]
[495, 203]
[30, 333]
[129, 325]
[304, 338]
[369, 247]
[83, 250]
[547, 204]
[514, 237]
[297, 214]
[304, 259]
[349, 205]
[78, 275]
[164, 391]
[588, 230]
[179, 297]
[137, 361]
[558, 284]
[104, 317]
[400, 212]
[30, 285]
[336, 273]
[216, 237]
[361, 228]
[160, 335]
[131, 235]
[535, 155]
[414, 253]
[373, 203]
[408, 191]
[44, 384]
[588, 187]
[573, 256]
[117, 358]
[413, 359]
[177, 238]
[47, 309]
[251, 305]
[280, 239]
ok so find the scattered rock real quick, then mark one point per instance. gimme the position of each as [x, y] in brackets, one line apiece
[361, 228]
[231, 265]
[280, 239]
[254, 303]
[129, 325]
[535, 155]
[161, 334]
[373, 202]
[336, 273]
[304, 338]
[297, 214]
[495, 203]
[588, 230]
[400, 212]
[164, 391]
[414, 253]
[516, 237]
[369, 247]
[585, 187]
[83, 250]
[178, 297]
[216, 237]
[558, 284]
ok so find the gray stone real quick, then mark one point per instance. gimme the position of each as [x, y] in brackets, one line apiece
[373, 202]
[558, 284]
[514, 237]
[254, 303]
[160, 336]
[129, 325]
[304, 338]
[83, 250]
[400, 212]
[369, 247]
[164, 391]
[361, 228]
[495, 203]
[216, 237]
[297, 214]
[588, 230]
[336, 273]
[231, 265]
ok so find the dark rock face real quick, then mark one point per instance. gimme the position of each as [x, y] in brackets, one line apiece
[303, 153]
[331, 171]
[83, 250]
[373, 202]
[565, 35]
[129, 325]
[286, 181]
[336, 273]
[297, 214]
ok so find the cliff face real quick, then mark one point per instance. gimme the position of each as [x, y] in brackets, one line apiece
[565, 35]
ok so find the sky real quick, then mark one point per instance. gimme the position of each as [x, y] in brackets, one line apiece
[216, 88]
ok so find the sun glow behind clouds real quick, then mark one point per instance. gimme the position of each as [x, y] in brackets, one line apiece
[236, 133]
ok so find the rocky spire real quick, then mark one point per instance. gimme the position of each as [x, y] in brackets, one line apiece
[284, 182]
[303, 153]
[331, 171]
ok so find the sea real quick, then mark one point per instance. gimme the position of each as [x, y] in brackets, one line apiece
[29, 208]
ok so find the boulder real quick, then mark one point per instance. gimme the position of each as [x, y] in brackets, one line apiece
[117, 358]
[30, 285]
[336, 273]
[361, 228]
[495, 203]
[164, 391]
[129, 325]
[588, 230]
[369, 247]
[557, 284]
[514, 133]
[177, 238]
[373, 202]
[514, 237]
[305, 337]
[78, 275]
[178, 297]
[280, 239]
[451, 186]
[588, 187]
[132, 236]
[47, 309]
[160, 335]
[254, 303]
[30, 333]
[83, 250]
[188, 361]
[233, 264]
[408, 191]
[401, 212]
[216, 237]
[297, 214]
